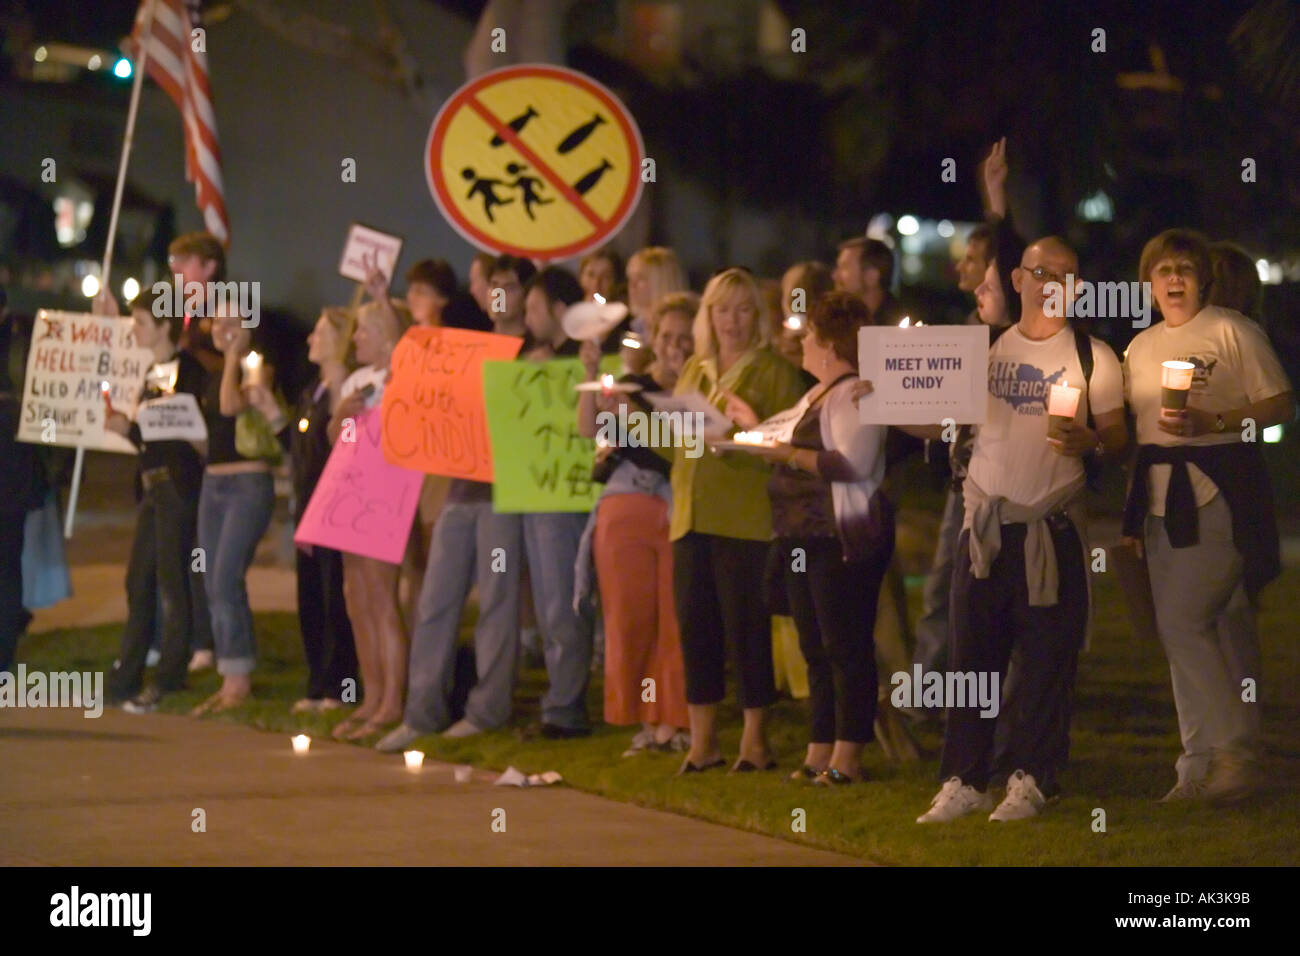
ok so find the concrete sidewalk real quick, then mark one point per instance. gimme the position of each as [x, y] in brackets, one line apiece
[120, 790]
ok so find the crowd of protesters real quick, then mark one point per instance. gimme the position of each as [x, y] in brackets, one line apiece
[684, 560]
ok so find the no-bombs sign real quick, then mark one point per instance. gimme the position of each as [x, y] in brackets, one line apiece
[535, 161]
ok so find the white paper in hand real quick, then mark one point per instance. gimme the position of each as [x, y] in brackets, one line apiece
[172, 418]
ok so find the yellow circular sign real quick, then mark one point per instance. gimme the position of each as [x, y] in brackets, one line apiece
[535, 160]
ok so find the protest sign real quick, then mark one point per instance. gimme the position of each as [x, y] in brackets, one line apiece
[924, 374]
[433, 414]
[71, 354]
[364, 244]
[170, 418]
[540, 461]
[362, 504]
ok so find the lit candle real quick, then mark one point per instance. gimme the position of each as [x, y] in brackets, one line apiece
[748, 438]
[302, 424]
[606, 382]
[252, 363]
[301, 744]
[598, 298]
[414, 759]
[105, 389]
[1062, 404]
[1175, 383]
[794, 322]
[631, 341]
[907, 320]
[171, 378]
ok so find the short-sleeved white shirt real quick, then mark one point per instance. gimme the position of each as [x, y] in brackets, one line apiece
[375, 375]
[1235, 367]
[1012, 458]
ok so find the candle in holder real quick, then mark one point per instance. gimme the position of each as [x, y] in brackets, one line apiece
[252, 363]
[748, 438]
[1062, 404]
[414, 759]
[631, 341]
[606, 383]
[1175, 383]
[301, 744]
[105, 390]
[794, 323]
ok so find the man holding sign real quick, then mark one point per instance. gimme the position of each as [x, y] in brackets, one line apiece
[1020, 585]
[170, 473]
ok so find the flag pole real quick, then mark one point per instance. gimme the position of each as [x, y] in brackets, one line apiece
[107, 267]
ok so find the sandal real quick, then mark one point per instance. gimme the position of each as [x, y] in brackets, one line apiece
[745, 766]
[688, 767]
[806, 773]
[834, 778]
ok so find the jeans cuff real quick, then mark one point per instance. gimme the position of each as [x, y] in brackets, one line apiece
[235, 666]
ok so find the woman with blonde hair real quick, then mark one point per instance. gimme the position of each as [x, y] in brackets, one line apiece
[652, 273]
[370, 586]
[327, 640]
[722, 521]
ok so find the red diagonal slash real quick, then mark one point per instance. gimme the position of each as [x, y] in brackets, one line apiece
[511, 137]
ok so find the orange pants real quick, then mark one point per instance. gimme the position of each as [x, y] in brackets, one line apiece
[634, 568]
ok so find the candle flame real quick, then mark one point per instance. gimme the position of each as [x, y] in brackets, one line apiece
[598, 298]
[907, 320]
[607, 381]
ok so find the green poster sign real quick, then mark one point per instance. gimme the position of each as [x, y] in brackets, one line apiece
[539, 461]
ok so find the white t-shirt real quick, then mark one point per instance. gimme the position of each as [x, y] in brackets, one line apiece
[1012, 458]
[366, 375]
[1235, 366]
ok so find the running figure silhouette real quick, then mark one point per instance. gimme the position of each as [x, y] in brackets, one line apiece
[527, 186]
[486, 188]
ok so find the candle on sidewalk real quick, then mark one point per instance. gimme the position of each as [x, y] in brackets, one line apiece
[414, 759]
[301, 743]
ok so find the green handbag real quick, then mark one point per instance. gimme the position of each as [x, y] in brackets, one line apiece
[254, 438]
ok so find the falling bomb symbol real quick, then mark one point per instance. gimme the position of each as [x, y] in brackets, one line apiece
[583, 185]
[579, 135]
[516, 124]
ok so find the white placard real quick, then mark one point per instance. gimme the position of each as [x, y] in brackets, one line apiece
[715, 424]
[171, 418]
[365, 243]
[71, 354]
[922, 375]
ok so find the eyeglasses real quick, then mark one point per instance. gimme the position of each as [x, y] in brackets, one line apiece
[1040, 274]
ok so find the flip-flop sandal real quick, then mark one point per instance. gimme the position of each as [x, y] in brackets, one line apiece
[369, 729]
[345, 726]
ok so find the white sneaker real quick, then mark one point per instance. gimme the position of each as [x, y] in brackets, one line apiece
[1231, 778]
[462, 728]
[954, 800]
[641, 742]
[201, 661]
[1182, 792]
[399, 738]
[1023, 799]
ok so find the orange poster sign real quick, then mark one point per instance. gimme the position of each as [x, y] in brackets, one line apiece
[433, 415]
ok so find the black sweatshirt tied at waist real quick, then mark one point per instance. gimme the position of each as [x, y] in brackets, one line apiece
[1238, 470]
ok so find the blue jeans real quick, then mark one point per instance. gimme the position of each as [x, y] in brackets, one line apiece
[461, 553]
[234, 511]
[551, 541]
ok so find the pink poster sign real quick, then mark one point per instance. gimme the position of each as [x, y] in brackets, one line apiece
[362, 504]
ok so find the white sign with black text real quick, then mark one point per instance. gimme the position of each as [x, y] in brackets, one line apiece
[171, 418]
[365, 245]
[925, 374]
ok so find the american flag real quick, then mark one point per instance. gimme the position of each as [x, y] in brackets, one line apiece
[183, 74]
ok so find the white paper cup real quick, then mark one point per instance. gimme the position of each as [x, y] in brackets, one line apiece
[463, 773]
[301, 743]
[414, 759]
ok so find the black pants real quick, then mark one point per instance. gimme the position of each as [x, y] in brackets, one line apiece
[833, 603]
[13, 616]
[992, 625]
[159, 567]
[327, 640]
[718, 591]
